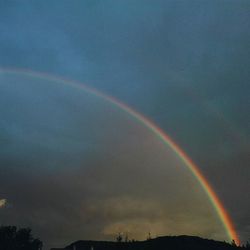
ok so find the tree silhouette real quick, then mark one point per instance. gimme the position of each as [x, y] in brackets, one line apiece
[149, 236]
[12, 238]
[119, 238]
[247, 245]
[233, 243]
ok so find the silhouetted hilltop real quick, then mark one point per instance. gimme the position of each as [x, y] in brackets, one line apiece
[160, 243]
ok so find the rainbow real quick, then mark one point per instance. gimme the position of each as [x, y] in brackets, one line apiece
[158, 132]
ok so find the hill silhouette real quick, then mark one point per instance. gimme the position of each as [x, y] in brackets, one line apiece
[161, 243]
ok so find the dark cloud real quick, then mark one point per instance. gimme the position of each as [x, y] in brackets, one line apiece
[86, 169]
[184, 64]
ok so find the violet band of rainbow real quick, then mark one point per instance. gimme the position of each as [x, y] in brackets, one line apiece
[158, 132]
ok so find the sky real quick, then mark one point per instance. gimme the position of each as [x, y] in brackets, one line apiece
[183, 64]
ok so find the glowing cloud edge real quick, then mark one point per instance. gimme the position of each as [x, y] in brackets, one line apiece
[150, 125]
[3, 203]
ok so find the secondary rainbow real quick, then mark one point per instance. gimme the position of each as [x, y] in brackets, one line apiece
[166, 139]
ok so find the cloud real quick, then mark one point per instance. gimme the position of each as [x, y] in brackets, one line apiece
[77, 167]
[3, 203]
[169, 59]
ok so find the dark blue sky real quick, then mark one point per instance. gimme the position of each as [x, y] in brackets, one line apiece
[184, 64]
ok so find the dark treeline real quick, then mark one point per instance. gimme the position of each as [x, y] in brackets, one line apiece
[12, 238]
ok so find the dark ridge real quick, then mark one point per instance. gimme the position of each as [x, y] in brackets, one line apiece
[161, 243]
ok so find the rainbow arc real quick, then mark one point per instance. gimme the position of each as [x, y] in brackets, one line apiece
[166, 139]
